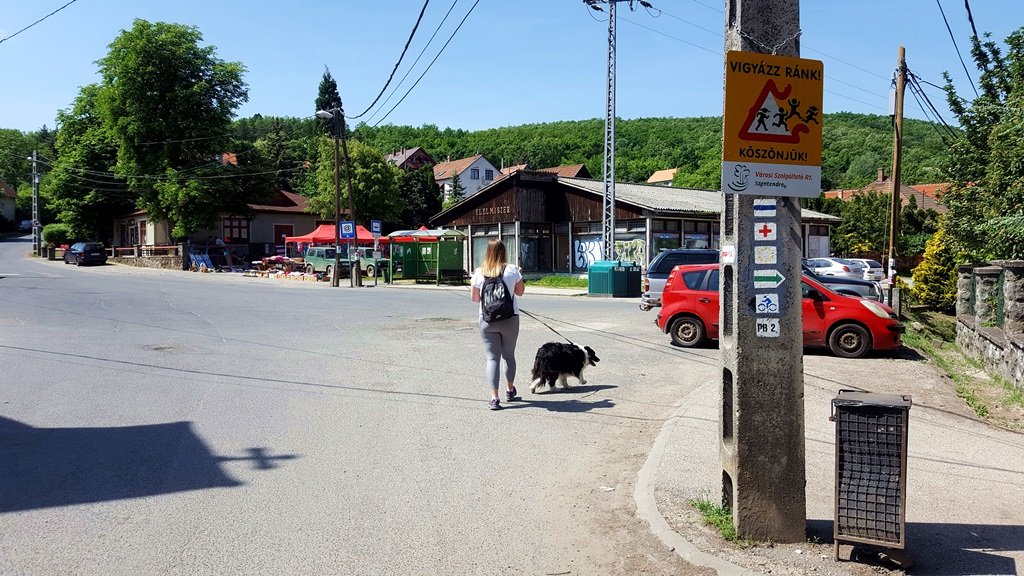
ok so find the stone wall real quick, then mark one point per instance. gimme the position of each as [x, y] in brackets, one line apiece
[164, 262]
[994, 336]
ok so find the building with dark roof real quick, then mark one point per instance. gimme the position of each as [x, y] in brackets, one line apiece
[410, 158]
[551, 223]
[926, 196]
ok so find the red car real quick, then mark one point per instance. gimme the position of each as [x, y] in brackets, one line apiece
[849, 326]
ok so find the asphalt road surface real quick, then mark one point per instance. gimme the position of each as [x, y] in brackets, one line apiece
[160, 422]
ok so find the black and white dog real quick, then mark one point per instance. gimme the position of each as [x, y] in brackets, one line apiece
[558, 361]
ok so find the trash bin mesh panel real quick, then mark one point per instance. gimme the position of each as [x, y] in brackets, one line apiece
[870, 465]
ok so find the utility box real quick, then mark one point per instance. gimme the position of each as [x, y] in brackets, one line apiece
[871, 468]
[599, 277]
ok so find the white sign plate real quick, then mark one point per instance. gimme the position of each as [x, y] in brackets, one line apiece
[728, 254]
[767, 327]
[767, 303]
[764, 231]
[764, 207]
[765, 255]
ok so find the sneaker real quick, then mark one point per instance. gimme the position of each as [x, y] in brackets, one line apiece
[495, 405]
[510, 395]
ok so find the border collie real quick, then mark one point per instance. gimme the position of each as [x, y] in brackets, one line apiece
[558, 361]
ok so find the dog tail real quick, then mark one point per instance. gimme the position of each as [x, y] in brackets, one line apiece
[538, 371]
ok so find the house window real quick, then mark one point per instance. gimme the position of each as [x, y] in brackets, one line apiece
[236, 230]
[474, 174]
[488, 174]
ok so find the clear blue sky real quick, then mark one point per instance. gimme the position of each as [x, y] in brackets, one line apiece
[511, 63]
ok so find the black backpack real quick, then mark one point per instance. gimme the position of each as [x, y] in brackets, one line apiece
[495, 300]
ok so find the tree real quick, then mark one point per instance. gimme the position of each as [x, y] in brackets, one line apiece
[168, 103]
[421, 198]
[328, 99]
[453, 195]
[984, 162]
[935, 277]
[374, 179]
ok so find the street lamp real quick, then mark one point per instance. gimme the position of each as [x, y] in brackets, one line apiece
[338, 115]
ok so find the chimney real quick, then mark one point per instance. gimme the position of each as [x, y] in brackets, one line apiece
[881, 174]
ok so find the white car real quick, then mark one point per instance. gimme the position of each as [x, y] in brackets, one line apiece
[836, 267]
[872, 269]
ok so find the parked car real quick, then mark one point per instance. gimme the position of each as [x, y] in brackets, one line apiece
[321, 259]
[367, 263]
[85, 253]
[872, 269]
[25, 225]
[659, 268]
[835, 267]
[848, 286]
[849, 326]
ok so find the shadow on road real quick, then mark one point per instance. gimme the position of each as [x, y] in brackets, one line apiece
[47, 467]
[558, 400]
[942, 549]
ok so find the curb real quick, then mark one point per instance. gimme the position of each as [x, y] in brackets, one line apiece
[647, 506]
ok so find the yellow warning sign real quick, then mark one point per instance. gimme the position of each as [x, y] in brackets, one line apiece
[772, 139]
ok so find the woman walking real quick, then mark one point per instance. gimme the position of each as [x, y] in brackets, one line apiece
[494, 282]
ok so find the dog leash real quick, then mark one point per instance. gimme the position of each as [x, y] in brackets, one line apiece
[546, 325]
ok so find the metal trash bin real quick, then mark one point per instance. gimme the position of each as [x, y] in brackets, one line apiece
[871, 468]
[599, 277]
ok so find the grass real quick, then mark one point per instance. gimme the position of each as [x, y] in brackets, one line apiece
[558, 281]
[935, 339]
[718, 517]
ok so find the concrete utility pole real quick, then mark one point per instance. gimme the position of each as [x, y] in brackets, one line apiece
[36, 239]
[762, 418]
[897, 158]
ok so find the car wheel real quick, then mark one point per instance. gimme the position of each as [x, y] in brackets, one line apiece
[309, 269]
[370, 271]
[327, 271]
[849, 341]
[687, 331]
[65, 258]
[78, 260]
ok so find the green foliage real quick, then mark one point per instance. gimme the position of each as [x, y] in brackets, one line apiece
[984, 162]
[57, 234]
[327, 99]
[453, 194]
[559, 281]
[375, 182]
[168, 102]
[935, 278]
[420, 196]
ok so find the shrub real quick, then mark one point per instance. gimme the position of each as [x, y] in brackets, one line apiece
[57, 234]
[935, 277]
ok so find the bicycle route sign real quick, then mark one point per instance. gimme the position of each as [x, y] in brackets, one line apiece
[772, 139]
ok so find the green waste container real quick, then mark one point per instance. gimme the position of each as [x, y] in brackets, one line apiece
[599, 277]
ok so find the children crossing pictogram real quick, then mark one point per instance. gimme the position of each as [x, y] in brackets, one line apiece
[786, 126]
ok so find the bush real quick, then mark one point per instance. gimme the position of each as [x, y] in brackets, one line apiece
[57, 234]
[935, 277]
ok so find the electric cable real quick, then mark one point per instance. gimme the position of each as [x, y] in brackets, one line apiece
[441, 51]
[397, 64]
[953, 38]
[416, 61]
[2, 40]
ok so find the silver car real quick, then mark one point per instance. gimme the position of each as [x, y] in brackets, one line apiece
[836, 267]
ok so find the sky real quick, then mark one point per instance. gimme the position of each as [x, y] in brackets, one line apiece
[510, 63]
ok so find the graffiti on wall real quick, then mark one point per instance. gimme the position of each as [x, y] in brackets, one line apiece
[585, 250]
[631, 250]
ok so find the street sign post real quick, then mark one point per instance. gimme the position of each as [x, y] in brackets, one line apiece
[375, 229]
[772, 124]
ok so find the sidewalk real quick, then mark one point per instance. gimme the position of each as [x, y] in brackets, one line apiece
[965, 479]
[530, 289]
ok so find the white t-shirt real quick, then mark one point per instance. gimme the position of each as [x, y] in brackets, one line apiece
[511, 276]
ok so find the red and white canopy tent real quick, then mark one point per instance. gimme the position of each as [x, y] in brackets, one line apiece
[324, 234]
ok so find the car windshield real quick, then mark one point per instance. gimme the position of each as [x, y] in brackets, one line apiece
[92, 246]
[846, 262]
[872, 264]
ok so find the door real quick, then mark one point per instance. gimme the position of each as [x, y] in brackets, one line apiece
[281, 231]
[814, 316]
[706, 303]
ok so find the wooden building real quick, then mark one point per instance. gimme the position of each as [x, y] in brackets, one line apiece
[553, 224]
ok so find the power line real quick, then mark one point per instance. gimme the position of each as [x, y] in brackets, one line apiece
[953, 38]
[698, 46]
[397, 64]
[459, 27]
[420, 55]
[2, 40]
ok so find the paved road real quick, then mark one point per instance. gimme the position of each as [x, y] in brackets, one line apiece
[158, 422]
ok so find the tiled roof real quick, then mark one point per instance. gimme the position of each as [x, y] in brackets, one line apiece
[402, 156]
[925, 200]
[569, 171]
[662, 175]
[510, 169]
[283, 201]
[6, 190]
[444, 170]
[932, 190]
[663, 198]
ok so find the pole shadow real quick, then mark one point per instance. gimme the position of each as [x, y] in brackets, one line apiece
[50, 467]
[940, 549]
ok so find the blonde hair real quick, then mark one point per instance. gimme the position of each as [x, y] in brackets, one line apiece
[494, 259]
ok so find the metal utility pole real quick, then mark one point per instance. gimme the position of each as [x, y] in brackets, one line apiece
[897, 158]
[761, 429]
[36, 240]
[357, 273]
[336, 272]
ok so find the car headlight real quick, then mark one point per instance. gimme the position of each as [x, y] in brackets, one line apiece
[875, 308]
